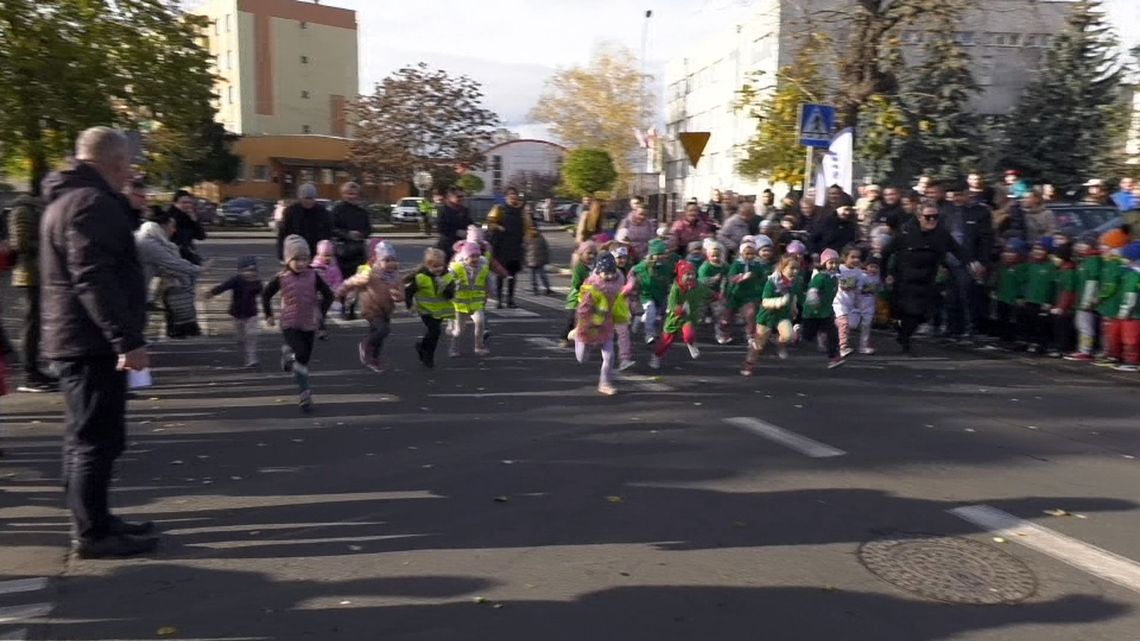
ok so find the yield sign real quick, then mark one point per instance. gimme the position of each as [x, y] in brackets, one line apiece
[694, 143]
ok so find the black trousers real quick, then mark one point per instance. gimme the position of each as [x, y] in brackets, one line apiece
[95, 394]
[1036, 324]
[513, 267]
[378, 330]
[908, 324]
[978, 298]
[813, 326]
[301, 342]
[32, 331]
[1005, 322]
[433, 327]
[1064, 333]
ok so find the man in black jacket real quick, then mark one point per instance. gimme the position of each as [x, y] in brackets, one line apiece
[187, 229]
[892, 214]
[837, 231]
[453, 221]
[977, 240]
[306, 218]
[351, 226]
[507, 241]
[918, 249]
[94, 315]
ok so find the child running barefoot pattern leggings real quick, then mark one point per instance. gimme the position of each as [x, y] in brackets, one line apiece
[299, 344]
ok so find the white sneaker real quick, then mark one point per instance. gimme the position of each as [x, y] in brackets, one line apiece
[867, 350]
[626, 364]
[820, 344]
[606, 389]
[844, 353]
[782, 352]
[482, 351]
[654, 362]
[694, 351]
[453, 351]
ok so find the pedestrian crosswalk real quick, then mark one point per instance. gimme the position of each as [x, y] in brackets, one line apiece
[24, 604]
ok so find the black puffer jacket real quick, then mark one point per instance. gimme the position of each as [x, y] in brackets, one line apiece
[314, 225]
[915, 256]
[347, 218]
[94, 297]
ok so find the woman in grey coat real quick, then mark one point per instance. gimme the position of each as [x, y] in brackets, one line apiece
[169, 277]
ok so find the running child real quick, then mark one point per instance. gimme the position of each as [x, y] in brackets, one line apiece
[687, 301]
[379, 291]
[303, 297]
[537, 253]
[597, 318]
[328, 269]
[245, 287]
[714, 275]
[850, 301]
[1040, 294]
[654, 277]
[625, 307]
[1129, 314]
[1111, 275]
[431, 289]
[819, 306]
[1089, 262]
[472, 286]
[779, 304]
[581, 265]
[745, 285]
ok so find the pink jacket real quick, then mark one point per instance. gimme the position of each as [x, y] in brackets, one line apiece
[329, 271]
[591, 309]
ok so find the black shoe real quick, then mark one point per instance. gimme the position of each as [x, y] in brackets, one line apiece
[550, 292]
[132, 528]
[38, 383]
[486, 336]
[500, 305]
[114, 546]
[512, 304]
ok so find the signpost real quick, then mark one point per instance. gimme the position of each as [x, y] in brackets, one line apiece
[423, 181]
[817, 126]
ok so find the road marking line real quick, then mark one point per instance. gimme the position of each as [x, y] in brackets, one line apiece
[644, 383]
[1083, 556]
[517, 312]
[789, 439]
[15, 635]
[23, 585]
[548, 344]
[17, 613]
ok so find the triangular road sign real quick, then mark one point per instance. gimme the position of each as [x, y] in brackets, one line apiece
[694, 143]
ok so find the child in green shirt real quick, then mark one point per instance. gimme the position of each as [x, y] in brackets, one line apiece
[713, 273]
[653, 276]
[819, 315]
[1112, 272]
[1089, 263]
[582, 265]
[1040, 294]
[687, 300]
[779, 305]
[1010, 291]
[1129, 314]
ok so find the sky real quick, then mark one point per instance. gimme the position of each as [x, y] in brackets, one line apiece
[513, 46]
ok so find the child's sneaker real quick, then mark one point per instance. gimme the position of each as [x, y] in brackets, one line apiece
[482, 351]
[1128, 368]
[1105, 361]
[1079, 357]
[650, 339]
[844, 353]
[252, 365]
[746, 369]
[836, 362]
[820, 344]
[362, 352]
[323, 335]
[607, 389]
[797, 332]
[867, 350]
[286, 359]
[486, 336]
[564, 343]
[655, 362]
[723, 340]
[453, 351]
[782, 352]
[694, 351]
[626, 363]
[306, 401]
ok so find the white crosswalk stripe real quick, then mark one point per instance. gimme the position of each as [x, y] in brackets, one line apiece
[23, 613]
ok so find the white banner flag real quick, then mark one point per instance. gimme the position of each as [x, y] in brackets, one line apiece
[838, 164]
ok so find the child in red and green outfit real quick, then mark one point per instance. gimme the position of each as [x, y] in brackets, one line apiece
[687, 301]
[1010, 291]
[1111, 294]
[1089, 263]
[1040, 294]
[1129, 314]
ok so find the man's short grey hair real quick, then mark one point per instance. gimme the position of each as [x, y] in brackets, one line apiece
[100, 144]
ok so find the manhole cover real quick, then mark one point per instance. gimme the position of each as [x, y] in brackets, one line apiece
[951, 569]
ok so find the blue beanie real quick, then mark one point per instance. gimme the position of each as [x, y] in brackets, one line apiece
[247, 262]
[1017, 246]
[606, 264]
[1131, 251]
[1046, 242]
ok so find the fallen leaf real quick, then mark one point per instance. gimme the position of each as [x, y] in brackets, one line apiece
[176, 462]
[830, 588]
[615, 499]
[798, 406]
[355, 548]
[1080, 516]
[508, 462]
[739, 524]
[427, 466]
[698, 404]
[501, 499]
[298, 440]
[480, 599]
[261, 444]
[1031, 427]
[235, 478]
[167, 631]
[1057, 512]
[153, 398]
[498, 606]
[970, 429]
[346, 602]
[998, 539]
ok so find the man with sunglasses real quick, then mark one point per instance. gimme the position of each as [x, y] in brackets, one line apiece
[919, 249]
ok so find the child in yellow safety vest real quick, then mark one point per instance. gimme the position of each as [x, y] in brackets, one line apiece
[472, 274]
[598, 313]
[431, 289]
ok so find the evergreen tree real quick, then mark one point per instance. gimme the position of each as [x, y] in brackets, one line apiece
[1070, 122]
[946, 137]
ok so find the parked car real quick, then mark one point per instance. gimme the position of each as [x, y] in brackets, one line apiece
[207, 211]
[1083, 217]
[567, 214]
[244, 212]
[407, 210]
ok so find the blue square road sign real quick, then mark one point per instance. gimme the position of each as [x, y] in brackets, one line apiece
[817, 125]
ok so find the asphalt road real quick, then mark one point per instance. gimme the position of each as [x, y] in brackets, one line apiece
[503, 498]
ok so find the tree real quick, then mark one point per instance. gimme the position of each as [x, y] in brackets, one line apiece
[1070, 122]
[884, 128]
[180, 158]
[774, 151]
[421, 119]
[589, 171]
[470, 183]
[597, 106]
[536, 185]
[66, 65]
[938, 93]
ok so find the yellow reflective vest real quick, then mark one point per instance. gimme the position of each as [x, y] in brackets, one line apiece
[470, 297]
[430, 297]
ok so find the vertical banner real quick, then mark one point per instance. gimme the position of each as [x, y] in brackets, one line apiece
[838, 164]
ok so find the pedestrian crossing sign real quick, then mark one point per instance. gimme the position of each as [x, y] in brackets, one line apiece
[817, 125]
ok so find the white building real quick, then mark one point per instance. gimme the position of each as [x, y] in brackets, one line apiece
[511, 160]
[1005, 37]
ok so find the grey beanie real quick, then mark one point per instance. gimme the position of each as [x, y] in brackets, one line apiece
[307, 190]
[296, 248]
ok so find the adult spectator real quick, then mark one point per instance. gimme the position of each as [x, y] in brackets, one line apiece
[351, 227]
[187, 228]
[507, 242]
[1095, 193]
[936, 193]
[836, 198]
[137, 197]
[972, 227]
[789, 206]
[591, 222]
[743, 223]
[980, 191]
[918, 250]
[810, 215]
[869, 204]
[454, 219]
[169, 275]
[892, 214]
[1039, 219]
[1016, 187]
[24, 239]
[960, 217]
[715, 209]
[1123, 198]
[836, 232]
[94, 313]
[1050, 194]
[640, 227]
[306, 218]
[690, 228]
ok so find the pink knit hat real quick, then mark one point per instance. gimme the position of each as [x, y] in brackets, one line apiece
[828, 254]
[470, 249]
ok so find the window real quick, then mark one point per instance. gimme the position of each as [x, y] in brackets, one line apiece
[260, 173]
[230, 95]
[305, 129]
[328, 177]
[964, 38]
[985, 73]
[229, 59]
[304, 60]
[304, 95]
[227, 23]
[1014, 39]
